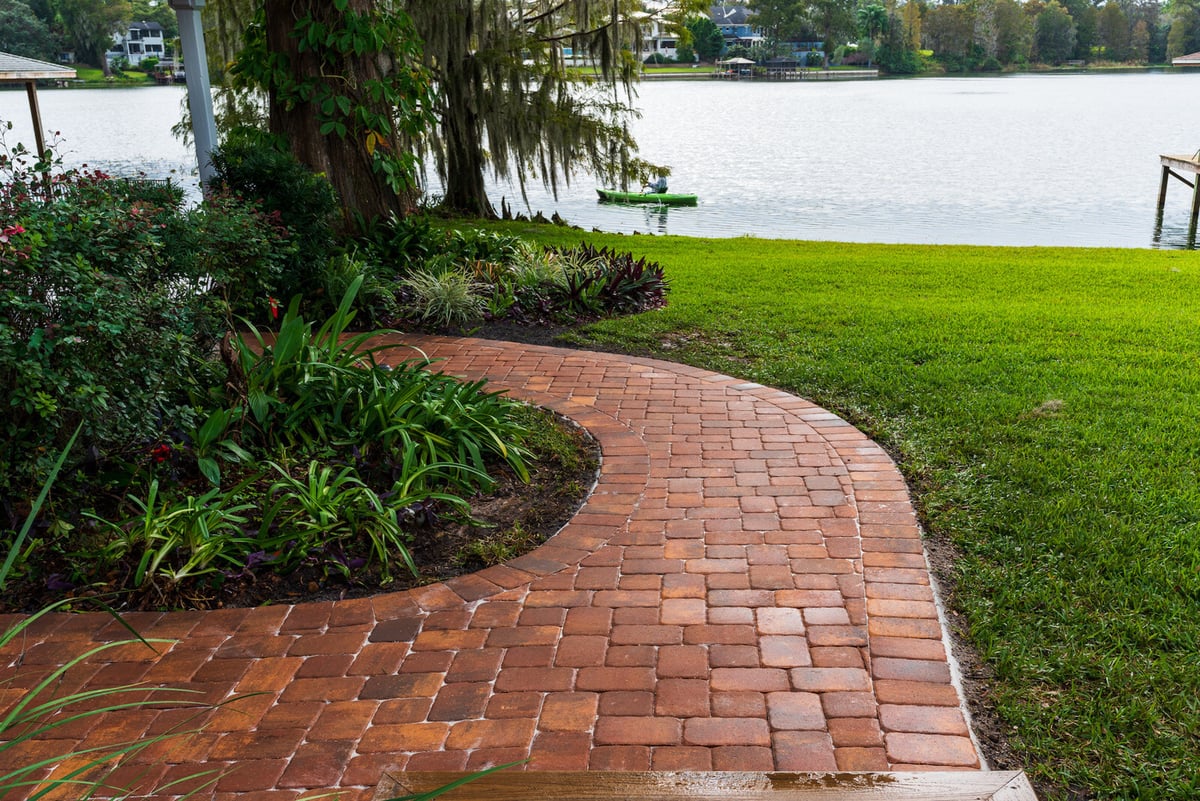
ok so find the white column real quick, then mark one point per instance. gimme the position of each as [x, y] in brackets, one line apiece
[195, 64]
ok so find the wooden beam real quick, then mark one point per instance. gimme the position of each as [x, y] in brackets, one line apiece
[1180, 177]
[34, 111]
[717, 786]
[1182, 163]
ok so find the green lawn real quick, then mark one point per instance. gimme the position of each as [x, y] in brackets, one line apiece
[1045, 405]
[93, 75]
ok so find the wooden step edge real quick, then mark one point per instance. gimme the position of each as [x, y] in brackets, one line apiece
[519, 785]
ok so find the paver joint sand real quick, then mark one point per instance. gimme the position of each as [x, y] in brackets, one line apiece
[744, 590]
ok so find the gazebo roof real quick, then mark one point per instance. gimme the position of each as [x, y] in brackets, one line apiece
[19, 68]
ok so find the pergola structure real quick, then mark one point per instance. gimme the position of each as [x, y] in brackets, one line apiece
[18, 69]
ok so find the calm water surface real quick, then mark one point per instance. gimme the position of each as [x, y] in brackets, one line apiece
[1007, 160]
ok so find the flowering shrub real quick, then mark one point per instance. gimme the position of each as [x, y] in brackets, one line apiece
[243, 251]
[104, 309]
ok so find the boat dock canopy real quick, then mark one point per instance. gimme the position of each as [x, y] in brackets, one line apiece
[19, 69]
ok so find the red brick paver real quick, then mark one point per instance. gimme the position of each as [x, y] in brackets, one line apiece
[745, 589]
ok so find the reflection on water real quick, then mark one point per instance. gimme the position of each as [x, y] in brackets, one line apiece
[1007, 160]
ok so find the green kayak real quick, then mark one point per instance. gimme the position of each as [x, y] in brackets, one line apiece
[664, 198]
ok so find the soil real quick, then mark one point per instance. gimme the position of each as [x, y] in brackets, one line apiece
[513, 518]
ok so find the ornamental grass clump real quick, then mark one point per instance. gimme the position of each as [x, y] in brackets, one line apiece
[447, 299]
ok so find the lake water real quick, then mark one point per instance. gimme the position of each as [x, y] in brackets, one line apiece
[1005, 160]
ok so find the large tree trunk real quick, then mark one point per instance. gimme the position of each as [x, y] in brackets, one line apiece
[462, 127]
[345, 161]
[463, 134]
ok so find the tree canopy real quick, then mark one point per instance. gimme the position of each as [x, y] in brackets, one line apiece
[1055, 34]
[90, 24]
[22, 32]
[532, 89]
[707, 40]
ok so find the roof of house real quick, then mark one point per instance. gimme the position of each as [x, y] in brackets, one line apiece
[1192, 58]
[145, 26]
[19, 68]
[729, 14]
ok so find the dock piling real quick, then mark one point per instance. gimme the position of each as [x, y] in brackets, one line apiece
[1184, 164]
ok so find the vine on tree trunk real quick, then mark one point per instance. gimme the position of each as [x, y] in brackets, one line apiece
[347, 90]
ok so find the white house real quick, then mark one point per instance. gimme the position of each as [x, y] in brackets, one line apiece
[656, 39]
[142, 40]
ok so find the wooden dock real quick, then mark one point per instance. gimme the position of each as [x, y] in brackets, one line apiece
[1179, 167]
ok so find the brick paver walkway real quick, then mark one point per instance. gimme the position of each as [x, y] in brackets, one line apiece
[745, 590]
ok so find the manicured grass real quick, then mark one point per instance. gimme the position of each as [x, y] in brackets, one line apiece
[93, 75]
[1044, 404]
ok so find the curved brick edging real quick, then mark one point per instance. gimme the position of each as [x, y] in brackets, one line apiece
[745, 590]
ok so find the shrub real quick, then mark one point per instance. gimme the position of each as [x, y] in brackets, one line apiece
[401, 242]
[376, 302]
[241, 253]
[96, 325]
[257, 167]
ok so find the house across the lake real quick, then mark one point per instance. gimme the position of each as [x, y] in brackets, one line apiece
[734, 22]
[1192, 60]
[142, 40]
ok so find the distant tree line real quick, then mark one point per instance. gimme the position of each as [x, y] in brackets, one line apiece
[982, 35]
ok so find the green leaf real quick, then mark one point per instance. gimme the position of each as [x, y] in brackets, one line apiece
[210, 470]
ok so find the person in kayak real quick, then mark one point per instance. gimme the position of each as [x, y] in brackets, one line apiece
[656, 187]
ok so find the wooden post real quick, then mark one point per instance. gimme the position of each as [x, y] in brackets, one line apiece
[38, 135]
[1189, 164]
[1162, 190]
[1162, 202]
[1195, 212]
